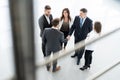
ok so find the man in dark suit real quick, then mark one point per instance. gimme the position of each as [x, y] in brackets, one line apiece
[52, 39]
[82, 25]
[45, 22]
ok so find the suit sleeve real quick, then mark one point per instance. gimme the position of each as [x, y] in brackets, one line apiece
[62, 39]
[72, 27]
[44, 37]
[51, 17]
[91, 26]
[41, 24]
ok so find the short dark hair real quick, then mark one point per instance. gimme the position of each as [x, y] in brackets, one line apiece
[97, 26]
[55, 22]
[84, 10]
[47, 7]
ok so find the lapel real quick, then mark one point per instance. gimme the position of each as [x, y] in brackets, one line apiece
[45, 19]
[50, 17]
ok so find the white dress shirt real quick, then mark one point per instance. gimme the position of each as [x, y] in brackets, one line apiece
[92, 35]
[48, 20]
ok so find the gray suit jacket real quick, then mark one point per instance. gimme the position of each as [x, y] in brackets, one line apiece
[52, 39]
[44, 24]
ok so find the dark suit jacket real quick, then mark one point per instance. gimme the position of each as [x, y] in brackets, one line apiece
[81, 33]
[52, 39]
[43, 23]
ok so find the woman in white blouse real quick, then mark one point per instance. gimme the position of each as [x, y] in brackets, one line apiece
[89, 49]
[65, 23]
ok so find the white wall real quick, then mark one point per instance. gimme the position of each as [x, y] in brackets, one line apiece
[6, 47]
[97, 10]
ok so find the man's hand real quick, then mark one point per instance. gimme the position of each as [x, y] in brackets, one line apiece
[68, 37]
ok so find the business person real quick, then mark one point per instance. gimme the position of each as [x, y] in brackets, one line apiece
[65, 23]
[82, 25]
[53, 38]
[45, 22]
[90, 48]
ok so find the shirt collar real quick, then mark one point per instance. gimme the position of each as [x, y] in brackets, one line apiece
[55, 28]
[83, 18]
[46, 16]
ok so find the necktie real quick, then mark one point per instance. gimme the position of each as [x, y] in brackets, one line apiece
[81, 22]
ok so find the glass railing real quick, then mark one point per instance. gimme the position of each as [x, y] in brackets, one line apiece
[105, 54]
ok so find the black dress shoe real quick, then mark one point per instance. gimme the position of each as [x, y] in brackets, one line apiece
[57, 69]
[78, 62]
[73, 56]
[84, 68]
[48, 68]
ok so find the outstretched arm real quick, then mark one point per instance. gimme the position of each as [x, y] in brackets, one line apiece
[62, 39]
[91, 26]
[72, 28]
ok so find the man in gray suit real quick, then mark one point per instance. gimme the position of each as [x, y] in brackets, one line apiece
[45, 22]
[52, 39]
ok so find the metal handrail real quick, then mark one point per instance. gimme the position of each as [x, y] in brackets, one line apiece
[77, 46]
[103, 71]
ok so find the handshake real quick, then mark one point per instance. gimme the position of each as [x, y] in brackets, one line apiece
[68, 37]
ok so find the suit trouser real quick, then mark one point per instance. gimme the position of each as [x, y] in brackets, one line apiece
[88, 57]
[79, 52]
[48, 53]
[43, 50]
